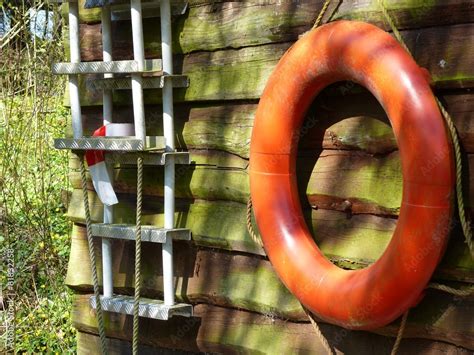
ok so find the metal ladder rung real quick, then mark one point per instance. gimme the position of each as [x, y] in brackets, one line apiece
[121, 8]
[117, 66]
[122, 144]
[155, 82]
[90, 4]
[152, 10]
[147, 308]
[151, 158]
[150, 234]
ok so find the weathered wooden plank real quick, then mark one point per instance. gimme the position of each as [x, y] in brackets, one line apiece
[258, 286]
[224, 74]
[349, 241]
[346, 122]
[226, 330]
[362, 180]
[370, 183]
[275, 19]
[225, 128]
[344, 341]
[90, 344]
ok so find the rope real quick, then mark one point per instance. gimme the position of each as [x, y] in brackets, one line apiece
[401, 330]
[466, 226]
[138, 254]
[389, 20]
[320, 335]
[451, 290]
[318, 20]
[250, 228]
[90, 242]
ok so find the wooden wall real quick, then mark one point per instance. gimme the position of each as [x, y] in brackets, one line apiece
[349, 177]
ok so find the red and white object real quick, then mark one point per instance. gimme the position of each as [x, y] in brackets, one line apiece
[96, 161]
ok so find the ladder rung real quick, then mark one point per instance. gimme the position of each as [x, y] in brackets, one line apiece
[147, 308]
[152, 10]
[151, 158]
[149, 233]
[122, 144]
[117, 66]
[156, 82]
[90, 4]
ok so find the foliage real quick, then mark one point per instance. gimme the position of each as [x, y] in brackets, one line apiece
[34, 187]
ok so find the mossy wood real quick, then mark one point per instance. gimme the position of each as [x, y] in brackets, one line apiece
[275, 19]
[337, 120]
[224, 74]
[207, 336]
[343, 180]
[360, 188]
[226, 330]
[228, 279]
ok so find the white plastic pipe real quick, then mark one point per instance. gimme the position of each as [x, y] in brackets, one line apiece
[107, 275]
[168, 128]
[73, 80]
[139, 57]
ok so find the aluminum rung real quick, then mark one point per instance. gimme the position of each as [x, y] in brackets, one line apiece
[117, 66]
[150, 10]
[181, 158]
[149, 233]
[147, 308]
[157, 82]
[178, 8]
[90, 4]
[121, 144]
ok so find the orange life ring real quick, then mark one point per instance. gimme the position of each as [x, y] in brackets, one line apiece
[374, 296]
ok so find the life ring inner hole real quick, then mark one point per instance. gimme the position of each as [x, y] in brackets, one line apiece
[347, 133]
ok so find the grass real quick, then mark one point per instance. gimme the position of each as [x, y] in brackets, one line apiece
[35, 239]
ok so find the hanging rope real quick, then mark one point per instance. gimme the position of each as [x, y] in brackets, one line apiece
[318, 20]
[317, 329]
[138, 255]
[454, 291]
[250, 228]
[401, 330]
[90, 242]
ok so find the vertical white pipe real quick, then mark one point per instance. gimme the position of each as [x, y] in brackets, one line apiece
[139, 57]
[107, 275]
[168, 128]
[107, 57]
[74, 79]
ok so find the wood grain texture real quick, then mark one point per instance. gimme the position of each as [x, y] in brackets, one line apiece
[344, 341]
[235, 279]
[299, 16]
[232, 74]
[349, 241]
[337, 120]
[225, 330]
[368, 183]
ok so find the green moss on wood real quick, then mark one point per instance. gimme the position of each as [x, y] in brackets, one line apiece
[358, 177]
[229, 330]
[351, 243]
